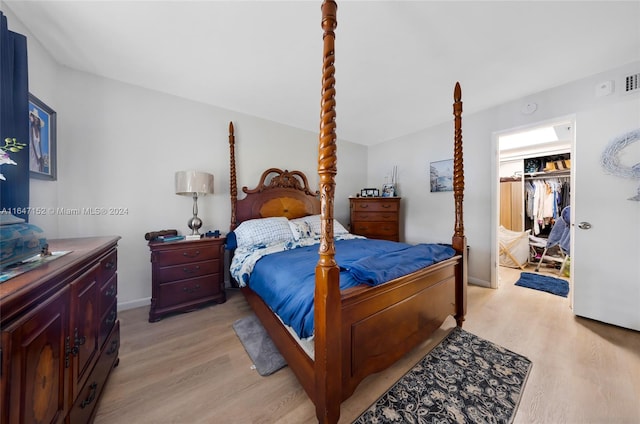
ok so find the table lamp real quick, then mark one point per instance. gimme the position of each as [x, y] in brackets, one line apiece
[194, 183]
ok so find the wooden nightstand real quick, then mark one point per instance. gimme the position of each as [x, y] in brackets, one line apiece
[186, 275]
[376, 217]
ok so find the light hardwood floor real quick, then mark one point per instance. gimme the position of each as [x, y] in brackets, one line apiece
[191, 368]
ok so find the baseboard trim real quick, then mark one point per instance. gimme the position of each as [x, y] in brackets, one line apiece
[131, 304]
[479, 282]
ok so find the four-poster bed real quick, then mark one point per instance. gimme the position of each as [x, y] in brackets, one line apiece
[362, 329]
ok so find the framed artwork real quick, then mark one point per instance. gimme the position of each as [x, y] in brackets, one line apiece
[42, 140]
[441, 175]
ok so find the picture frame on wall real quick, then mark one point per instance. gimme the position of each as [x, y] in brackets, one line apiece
[441, 175]
[42, 140]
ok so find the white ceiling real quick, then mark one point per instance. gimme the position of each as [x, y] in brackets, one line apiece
[396, 61]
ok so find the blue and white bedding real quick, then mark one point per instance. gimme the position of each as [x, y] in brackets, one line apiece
[282, 270]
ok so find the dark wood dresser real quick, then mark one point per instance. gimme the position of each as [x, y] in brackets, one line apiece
[60, 334]
[376, 217]
[186, 275]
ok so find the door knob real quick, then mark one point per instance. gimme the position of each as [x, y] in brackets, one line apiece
[584, 225]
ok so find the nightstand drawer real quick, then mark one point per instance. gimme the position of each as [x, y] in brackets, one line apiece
[184, 291]
[375, 228]
[185, 256]
[188, 270]
[375, 216]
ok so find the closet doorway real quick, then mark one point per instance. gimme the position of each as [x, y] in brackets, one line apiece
[529, 158]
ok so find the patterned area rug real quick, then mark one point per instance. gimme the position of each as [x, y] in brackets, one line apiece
[464, 379]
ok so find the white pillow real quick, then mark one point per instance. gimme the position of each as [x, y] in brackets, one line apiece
[300, 229]
[263, 231]
[314, 224]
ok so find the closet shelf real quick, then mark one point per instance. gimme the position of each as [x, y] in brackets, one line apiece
[548, 174]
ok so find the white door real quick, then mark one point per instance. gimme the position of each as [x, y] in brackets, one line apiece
[606, 270]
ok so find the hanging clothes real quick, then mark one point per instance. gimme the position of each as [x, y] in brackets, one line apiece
[545, 198]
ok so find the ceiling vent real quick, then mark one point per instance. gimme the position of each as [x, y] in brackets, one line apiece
[632, 83]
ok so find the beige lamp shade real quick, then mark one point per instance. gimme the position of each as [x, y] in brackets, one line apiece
[189, 183]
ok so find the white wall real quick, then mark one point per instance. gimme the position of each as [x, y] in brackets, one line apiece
[511, 168]
[119, 146]
[429, 216]
[124, 145]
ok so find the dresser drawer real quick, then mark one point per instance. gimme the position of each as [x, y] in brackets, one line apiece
[109, 265]
[85, 405]
[106, 322]
[375, 229]
[108, 293]
[188, 270]
[375, 216]
[185, 291]
[186, 255]
[379, 205]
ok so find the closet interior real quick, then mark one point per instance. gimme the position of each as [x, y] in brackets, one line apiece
[535, 181]
[533, 192]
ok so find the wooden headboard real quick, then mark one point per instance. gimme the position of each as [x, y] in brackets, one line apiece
[279, 193]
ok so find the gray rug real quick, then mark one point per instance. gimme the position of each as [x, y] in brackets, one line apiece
[258, 344]
[465, 379]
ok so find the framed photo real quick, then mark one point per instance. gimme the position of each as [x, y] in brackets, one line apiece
[441, 175]
[42, 140]
[388, 190]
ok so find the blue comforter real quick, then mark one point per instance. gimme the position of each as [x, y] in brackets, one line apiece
[286, 280]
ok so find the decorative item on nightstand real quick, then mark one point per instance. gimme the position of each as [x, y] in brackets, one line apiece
[194, 183]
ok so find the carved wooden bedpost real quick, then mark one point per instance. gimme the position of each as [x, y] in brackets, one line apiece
[459, 241]
[328, 361]
[233, 189]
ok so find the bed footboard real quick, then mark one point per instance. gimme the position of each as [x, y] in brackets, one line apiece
[381, 325]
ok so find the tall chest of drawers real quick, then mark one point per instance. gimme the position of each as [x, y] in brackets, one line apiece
[185, 275]
[376, 217]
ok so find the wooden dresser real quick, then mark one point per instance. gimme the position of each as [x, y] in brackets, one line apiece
[376, 217]
[186, 275]
[60, 334]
